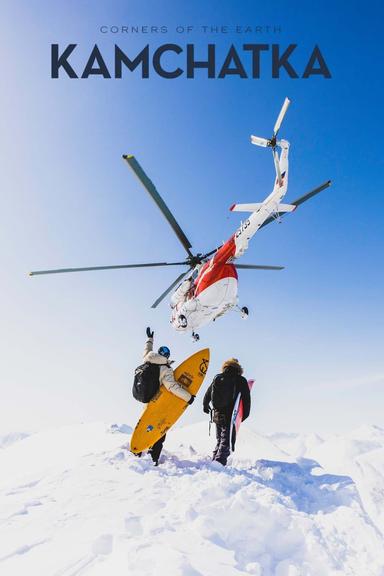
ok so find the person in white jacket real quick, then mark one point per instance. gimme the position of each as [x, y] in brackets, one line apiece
[166, 377]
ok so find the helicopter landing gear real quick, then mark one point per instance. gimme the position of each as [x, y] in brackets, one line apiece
[182, 321]
[244, 312]
[195, 337]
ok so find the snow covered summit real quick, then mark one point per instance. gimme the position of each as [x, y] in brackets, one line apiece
[75, 502]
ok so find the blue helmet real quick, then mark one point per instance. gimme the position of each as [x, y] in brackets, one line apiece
[164, 351]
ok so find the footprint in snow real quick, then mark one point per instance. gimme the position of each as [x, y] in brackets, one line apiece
[103, 545]
[133, 526]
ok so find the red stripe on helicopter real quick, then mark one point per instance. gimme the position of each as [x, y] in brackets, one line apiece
[212, 272]
[227, 251]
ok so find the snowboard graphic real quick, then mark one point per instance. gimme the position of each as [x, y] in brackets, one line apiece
[165, 408]
[237, 417]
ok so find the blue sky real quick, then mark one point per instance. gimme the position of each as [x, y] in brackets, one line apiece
[313, 341]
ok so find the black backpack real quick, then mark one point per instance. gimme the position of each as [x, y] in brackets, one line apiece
[146, 382]
[223, 391]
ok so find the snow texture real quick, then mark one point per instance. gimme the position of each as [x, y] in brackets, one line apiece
[76, 502]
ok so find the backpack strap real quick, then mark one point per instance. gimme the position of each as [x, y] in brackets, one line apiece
[213, 382]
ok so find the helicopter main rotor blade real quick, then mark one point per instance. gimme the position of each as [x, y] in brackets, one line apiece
[298, 202]
[151, 189]
[312, 193]
[92, 268]
[281, 115]
[168, 290]
[258, 267]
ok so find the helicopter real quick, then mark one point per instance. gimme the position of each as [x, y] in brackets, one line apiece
[208, 288]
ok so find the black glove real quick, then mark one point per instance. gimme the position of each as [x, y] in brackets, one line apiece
[206, 410]
[190, 401]
[149, 333]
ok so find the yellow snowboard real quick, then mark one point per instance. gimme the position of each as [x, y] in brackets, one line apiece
[165, 408]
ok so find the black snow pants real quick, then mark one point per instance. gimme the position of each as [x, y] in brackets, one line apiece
[222, 449]
[156, 449]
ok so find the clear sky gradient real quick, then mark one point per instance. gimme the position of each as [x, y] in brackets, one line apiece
[314, 338]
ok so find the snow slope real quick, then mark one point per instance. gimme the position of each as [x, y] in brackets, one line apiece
[11, 438]
[75, 502]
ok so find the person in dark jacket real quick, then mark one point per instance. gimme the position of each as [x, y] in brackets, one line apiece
[222, 394]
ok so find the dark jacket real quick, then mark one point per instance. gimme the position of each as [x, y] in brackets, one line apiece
[241, 385]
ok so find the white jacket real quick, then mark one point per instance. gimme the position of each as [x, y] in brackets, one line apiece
[166, 372]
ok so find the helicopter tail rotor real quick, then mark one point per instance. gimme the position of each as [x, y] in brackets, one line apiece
[280, 117]
[260, 141]
[273, 142]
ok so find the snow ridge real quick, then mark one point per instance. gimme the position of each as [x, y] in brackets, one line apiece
[75, 501]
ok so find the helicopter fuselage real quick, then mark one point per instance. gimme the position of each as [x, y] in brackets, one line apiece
[204, 299]
[211, 290]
